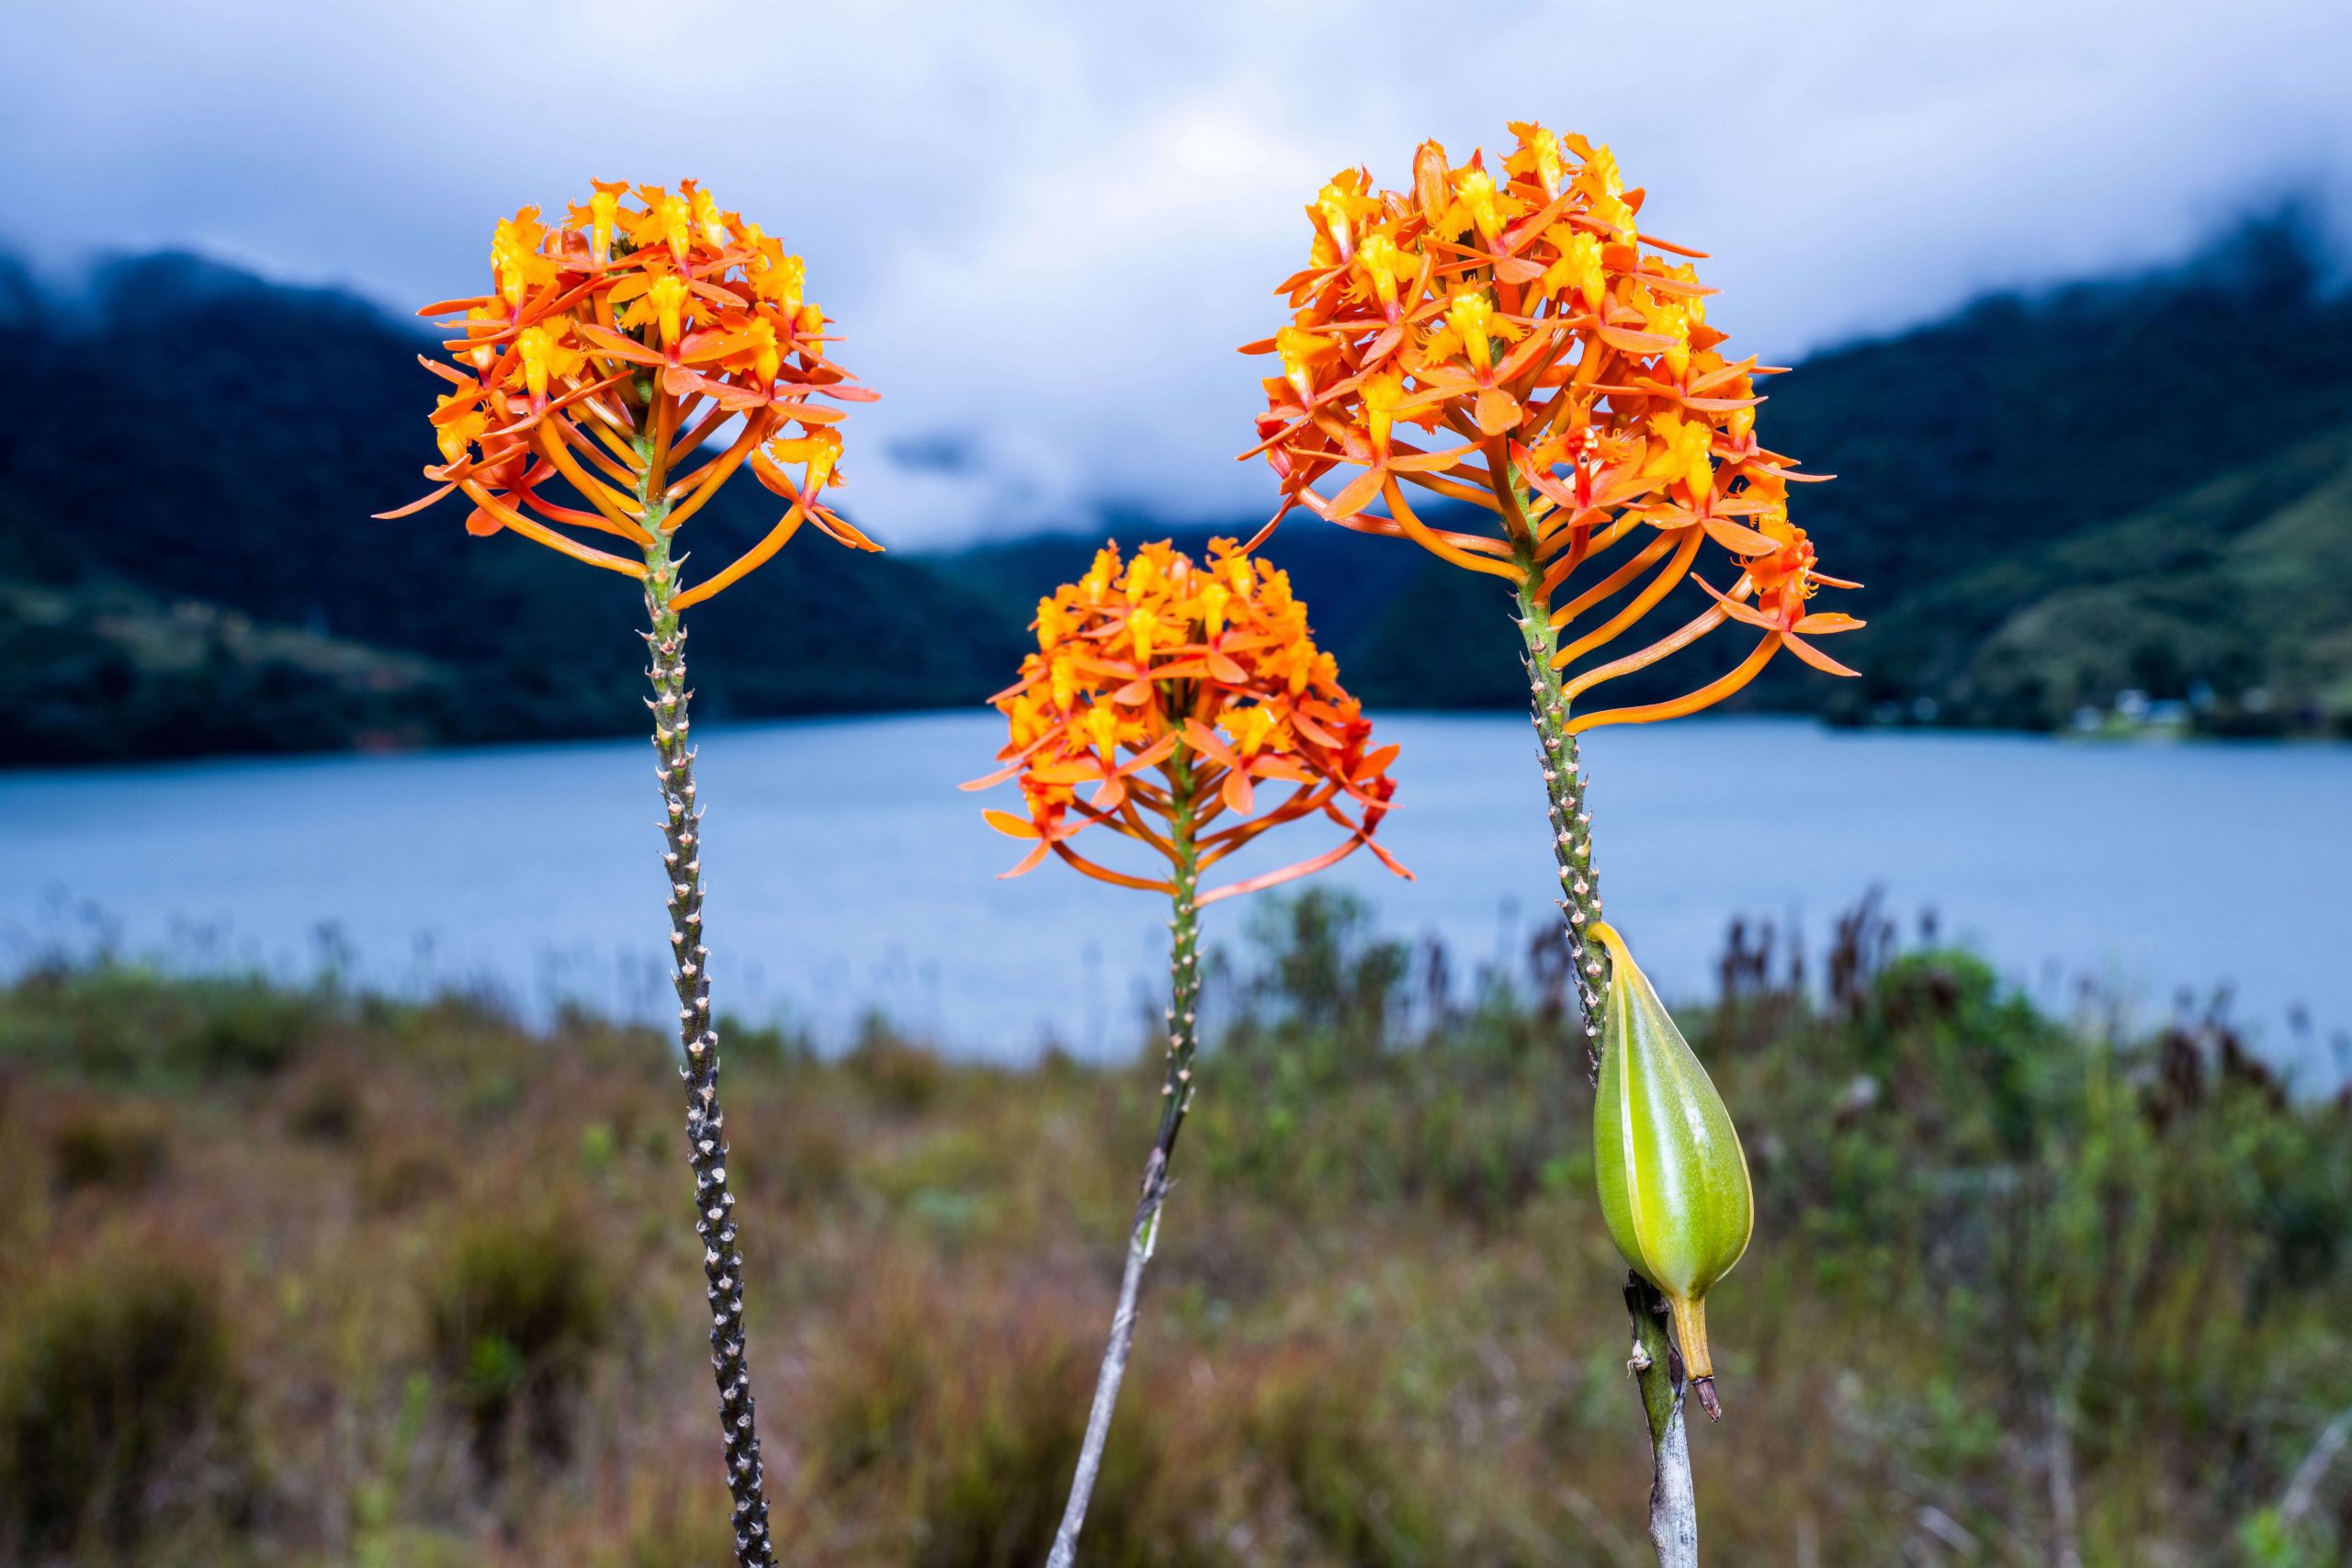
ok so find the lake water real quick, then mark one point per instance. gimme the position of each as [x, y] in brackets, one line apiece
[846, 872]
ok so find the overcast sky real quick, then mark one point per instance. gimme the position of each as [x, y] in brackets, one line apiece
[1043, 225]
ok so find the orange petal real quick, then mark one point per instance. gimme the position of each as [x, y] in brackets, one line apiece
[1358, 494]
[1210, 744]
[1497, 411]
[1706, 696]
[1029, 862]
[1816, 658]
[1736, 538]
[1823, 622]
[1287, 873]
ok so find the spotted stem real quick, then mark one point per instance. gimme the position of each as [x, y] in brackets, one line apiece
[705, 1121]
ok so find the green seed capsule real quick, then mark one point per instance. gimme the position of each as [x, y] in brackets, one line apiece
[1672, 1176]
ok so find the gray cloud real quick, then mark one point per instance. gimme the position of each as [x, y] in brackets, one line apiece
[1046, 224]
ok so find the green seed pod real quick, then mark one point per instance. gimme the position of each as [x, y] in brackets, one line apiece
[1672, 1176]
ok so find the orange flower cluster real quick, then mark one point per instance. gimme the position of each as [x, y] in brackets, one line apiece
[1566, 372]
[611, 349]
[1175, 690]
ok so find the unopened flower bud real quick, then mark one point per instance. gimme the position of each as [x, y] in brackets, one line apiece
[1673, 1178]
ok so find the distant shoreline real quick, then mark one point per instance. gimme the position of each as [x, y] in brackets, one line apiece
[20, 763]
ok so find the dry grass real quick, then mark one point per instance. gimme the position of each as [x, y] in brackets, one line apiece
[437, 1299]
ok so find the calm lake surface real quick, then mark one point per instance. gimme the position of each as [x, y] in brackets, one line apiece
[847, 872]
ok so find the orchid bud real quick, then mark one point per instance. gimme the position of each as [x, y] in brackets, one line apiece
[1432, 180]
[1673, 1178]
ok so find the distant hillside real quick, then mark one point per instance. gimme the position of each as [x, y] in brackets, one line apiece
[2088, 415]
[119, 676]
[2051, 501]
[201, 438]
[2233, 600]
[2128, 489]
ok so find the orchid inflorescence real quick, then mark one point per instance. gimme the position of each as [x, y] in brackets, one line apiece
[648, 328]
[612, 348]
[1190, 702]
[1157, 662]
[1572, 388]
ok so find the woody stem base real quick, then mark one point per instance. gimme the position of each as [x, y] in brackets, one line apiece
[1658, 1368]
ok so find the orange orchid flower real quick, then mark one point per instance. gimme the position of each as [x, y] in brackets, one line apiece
[1571, 390]
[1579, 407]
[1191, 705]
[625, 364]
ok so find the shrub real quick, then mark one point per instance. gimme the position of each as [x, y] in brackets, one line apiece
[515, 1314]
[121, 1410]
[119, 1148]
[675, 1522]
[120, 1023]
[404, 1174]
[965, 1411]
[1328, 985]
[902, 1075]
[1311, 1422]
[246, 1027]
[328, 1106]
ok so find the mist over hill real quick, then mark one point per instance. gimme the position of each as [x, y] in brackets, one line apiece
[2136, 489]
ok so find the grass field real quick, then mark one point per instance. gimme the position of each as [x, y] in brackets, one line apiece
[296, 1276]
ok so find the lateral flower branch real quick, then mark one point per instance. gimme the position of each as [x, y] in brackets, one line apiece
[1185, 707]
[626, 364]
[1510, 347]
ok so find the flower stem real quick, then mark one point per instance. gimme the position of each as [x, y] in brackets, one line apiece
[1564, 782]
[1674, 1517]
[1176, 1098]
[1674, 1505]
[705, 1124]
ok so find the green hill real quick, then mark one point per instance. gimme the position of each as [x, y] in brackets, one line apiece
[2037, 479]
[201, 438]
[2117, 490]
[122, 676]
[2233, 600]
[2125, 492]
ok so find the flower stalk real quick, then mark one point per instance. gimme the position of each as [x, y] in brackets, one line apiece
[1570, 821]
[715, 1223]
[1176, 1099]
[1190, 699]
[1511, 338]
[589, 384]
[1655, 1366]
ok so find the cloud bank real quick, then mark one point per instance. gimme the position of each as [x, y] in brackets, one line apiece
[1043, 224]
